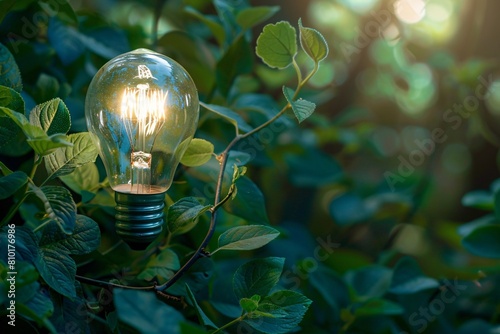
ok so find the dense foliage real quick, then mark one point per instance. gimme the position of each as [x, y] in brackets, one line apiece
[306, 237]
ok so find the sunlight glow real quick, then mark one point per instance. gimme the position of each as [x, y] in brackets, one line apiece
[410, 11]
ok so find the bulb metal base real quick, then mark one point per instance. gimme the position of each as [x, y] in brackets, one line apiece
[139, 218]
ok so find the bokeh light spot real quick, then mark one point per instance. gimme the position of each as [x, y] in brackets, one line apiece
[410, 11]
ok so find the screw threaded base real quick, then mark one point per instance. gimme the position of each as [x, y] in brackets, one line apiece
[139, 218]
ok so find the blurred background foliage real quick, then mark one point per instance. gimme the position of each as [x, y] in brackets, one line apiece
[363, 172]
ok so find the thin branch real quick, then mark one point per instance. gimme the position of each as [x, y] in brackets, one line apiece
[211, 228]
[200, 252]
[229, 324]
[224, 200]
[104, 284]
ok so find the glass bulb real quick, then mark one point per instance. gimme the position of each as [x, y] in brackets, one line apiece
[142, 111]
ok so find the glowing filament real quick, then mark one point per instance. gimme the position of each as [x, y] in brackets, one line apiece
[143, 114]
[144, 106]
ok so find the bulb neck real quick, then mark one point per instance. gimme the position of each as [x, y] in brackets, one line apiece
[139, 218]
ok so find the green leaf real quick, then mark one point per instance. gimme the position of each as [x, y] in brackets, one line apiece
[349, 209]
[198, 277]
[9, 72]
[237, 60]
[246, 237]
[277, 44]
[211, 22]
[98, 46]
[196, 55]
[9, 98]
[19, 118]
[484, 241]
[59, 207]
[198, 152]
[370, 282]
[408, 278]
[63, 10]
[192, 328]
[257, 277]
[183, 215]
[66, 159]
[53, 259]
[282, 312]
[58, 270]
[85, 238]
[229, 115]
[26, 280]
[37, 138]
[83, 178]
[331, 287]
[465, 229]
[38, 308]
[11, 183]
[4, 169]
[301, 108]
[66, 42]
[26, 244]
[52, 116]
[144, 312]
[202, 317]
[46, 88]
[378, 307]
[313, 43]
[249, 304]
[226, 11]
[167, 258]
[479, 199]
[12, 139]
[69, 311]
[161, 266]
[45, 145]
[238, 171]
[252, 16]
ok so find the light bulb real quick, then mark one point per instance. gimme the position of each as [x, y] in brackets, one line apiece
[142, 111]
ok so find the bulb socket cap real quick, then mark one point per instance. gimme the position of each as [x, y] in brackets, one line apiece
[139, 218]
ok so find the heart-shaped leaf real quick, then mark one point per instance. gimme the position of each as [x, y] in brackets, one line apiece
[277, 44]
[313, 43]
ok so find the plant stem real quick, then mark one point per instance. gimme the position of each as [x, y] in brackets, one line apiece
[229, 324]
[297, 69]
[39, 227]
[104, 284]
[310, 75]
[218, 203]
[224, 200]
